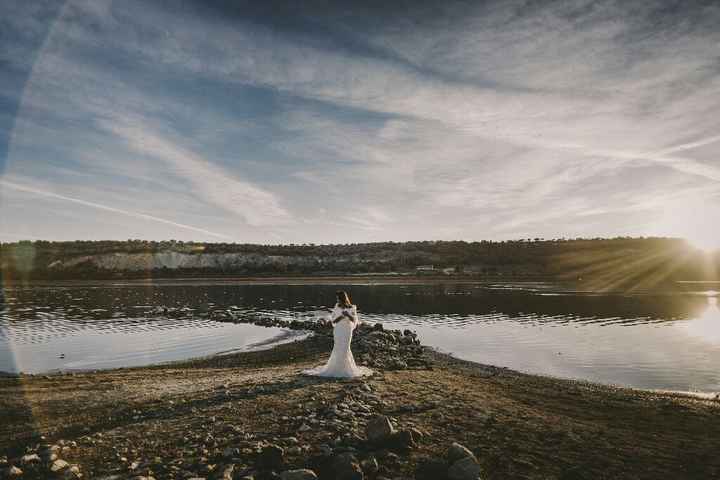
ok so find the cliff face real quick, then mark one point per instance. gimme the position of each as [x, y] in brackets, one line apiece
[176, 260]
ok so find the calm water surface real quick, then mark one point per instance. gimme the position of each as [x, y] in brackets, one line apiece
[664, 340]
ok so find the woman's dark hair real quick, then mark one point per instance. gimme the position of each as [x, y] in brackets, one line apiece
[343, 299]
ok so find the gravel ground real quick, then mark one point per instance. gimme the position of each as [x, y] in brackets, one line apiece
[252, 415]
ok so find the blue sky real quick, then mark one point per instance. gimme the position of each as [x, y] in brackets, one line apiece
[338, 122]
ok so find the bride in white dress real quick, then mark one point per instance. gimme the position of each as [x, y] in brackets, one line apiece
[341, 362]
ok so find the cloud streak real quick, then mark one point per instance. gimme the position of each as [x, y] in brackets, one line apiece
[106, 208]
[257, 206]
[460, 119]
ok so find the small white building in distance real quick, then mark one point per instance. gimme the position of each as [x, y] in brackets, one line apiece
[424, 268]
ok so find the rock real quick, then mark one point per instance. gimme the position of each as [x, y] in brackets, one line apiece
[47, 450]
[223, 472]
[402, 440]
[13, 472]
[302, 474]
[397, 364]
[466, 468]
[48, 456]
[231, 452]
[59, 465]
[272, 457]
[379, 428]
[72, 473]
[456, 452]
[345, 467]
[30, 459]
[417, 435]
[370, 466]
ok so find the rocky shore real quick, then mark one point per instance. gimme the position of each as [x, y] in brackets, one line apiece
[422, 415]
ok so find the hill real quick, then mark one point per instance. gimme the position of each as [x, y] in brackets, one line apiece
[607, 263]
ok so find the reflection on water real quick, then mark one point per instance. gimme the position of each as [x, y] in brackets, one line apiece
[150, 342]
[666, 340]
[706, 327]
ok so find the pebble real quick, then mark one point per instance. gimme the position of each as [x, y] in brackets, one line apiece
[302, 474]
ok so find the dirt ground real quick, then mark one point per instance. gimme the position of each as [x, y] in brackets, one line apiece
[180, 419]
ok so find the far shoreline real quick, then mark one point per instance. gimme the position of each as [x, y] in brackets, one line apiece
[299, 279]
[579, 286]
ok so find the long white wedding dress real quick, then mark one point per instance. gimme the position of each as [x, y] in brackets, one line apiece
[341, 362]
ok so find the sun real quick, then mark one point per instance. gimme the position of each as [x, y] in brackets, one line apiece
[695, 220]
[706, 243]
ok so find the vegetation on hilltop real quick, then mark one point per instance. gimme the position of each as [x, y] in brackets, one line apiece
[608, 262]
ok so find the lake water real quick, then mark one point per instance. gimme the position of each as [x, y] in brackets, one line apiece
[662, 340]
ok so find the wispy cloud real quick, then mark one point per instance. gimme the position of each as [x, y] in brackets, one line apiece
[257, 206]
[465, 119]
[106, 208]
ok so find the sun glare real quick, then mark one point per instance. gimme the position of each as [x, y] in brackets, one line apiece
[707, 325]
[691, 219]
[702, 242]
